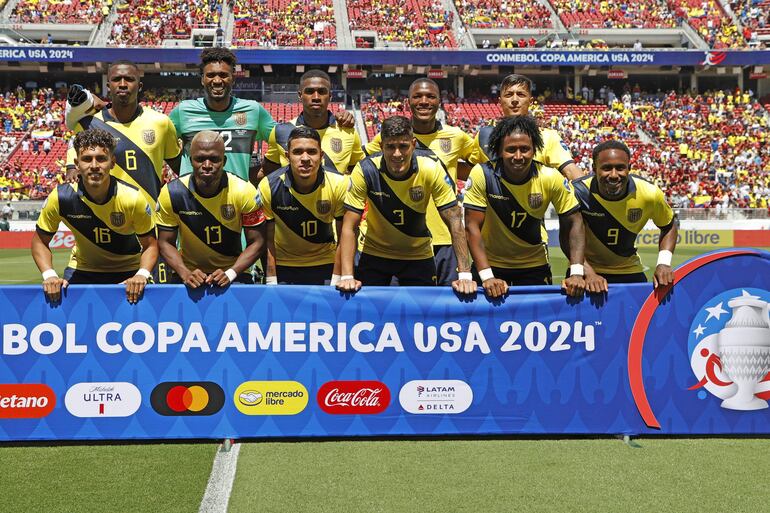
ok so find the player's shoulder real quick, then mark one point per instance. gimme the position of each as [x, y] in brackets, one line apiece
[335, 179]
[237, 183]
[191, 105]
[548, 173]
[644, 185]
[243, 104]
[150, 114]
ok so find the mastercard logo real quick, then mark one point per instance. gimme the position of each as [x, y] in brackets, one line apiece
[185, 398]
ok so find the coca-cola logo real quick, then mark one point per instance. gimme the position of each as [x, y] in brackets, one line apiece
[353, 397]
[62, 240]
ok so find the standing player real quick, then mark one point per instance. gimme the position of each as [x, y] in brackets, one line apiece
[341, 145]
[112, 223]
[207, 211]
[504, 207]
[615, 208]
[398, 186]
[451, 146]
[515, 100]
[303, 204]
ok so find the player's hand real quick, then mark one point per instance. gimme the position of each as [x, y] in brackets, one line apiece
[465, 286]
[345, 119]
[348, 285]
[574, 286]
[76, 95]
[194, 279]
[595, 284]
[134, 288]
[218, 278]
[53, 287]
[663, 276]
[71, 175]
[495, 287]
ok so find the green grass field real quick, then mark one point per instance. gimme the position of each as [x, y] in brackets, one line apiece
[487, 475]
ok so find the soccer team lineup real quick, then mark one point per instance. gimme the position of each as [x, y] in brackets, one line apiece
[422, 204]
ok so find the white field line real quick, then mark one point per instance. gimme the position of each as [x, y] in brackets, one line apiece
[220, 483]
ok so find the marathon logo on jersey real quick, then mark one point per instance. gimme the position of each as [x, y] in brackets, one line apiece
[336, 144]
[535, 200]
[186, 398]
[416, 193]
[323, 206]
[26, 401]
[117, 218]
[117, 399]
[445, 144]
[148, 136]
[634, 215]
[227, 211]
[240, 118]
[353, 397]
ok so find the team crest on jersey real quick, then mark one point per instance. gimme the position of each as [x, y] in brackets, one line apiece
[634, 214]
[445, 144]
[535, 200]
[336, 144]
[117, 218]
[240, 118]
[148, 136]
[323, 206]
[227, 211]
[416, 193]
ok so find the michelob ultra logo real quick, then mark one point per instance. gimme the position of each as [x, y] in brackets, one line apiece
[270, 397]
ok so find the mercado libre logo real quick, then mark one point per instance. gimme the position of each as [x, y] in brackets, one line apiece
[729, 348]
[187, 398]
[270, 397]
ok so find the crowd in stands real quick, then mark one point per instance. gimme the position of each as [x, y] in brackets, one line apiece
[60, 11]
[274, 23]
[149, 22]
[414, 23]
[754, 15]
[614, 14]
[504, 14]
[709, 19]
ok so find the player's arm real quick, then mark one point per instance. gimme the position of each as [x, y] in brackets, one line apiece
[572, 171]
[595, 283]
[474, 221]
[41, 254]
[572, 242]
[255, 244]
[452, 217]
[345, 119]
[664, 274]
[80, 103]
[337, 270]
[135, 284]
[271, 274]
[167, 245]
[347, 251]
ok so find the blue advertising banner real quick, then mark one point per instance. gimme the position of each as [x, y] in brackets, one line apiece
[396, 57]
[255, 361]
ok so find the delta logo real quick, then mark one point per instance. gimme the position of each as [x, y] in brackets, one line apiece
[442, 396]
[187, 398]
[26, 401]
[117, 399]
[270, 397]
[353, 397]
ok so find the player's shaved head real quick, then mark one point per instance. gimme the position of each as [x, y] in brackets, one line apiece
[208, 138]
[123, 62]
[423, 82]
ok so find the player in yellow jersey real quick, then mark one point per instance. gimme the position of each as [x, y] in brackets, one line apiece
[504, 207]
[398, 186]
[340, 144]
[303, 204]
[455, 149]
[515, 100]
[111, 221]
[615, 207]
[206, 211]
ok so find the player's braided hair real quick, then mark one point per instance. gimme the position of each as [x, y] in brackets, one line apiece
[94, 138]
[516, 124]
[612, 144]
[217, 54]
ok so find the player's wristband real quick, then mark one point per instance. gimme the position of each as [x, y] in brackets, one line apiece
[465, 276]
[577, 270]
[231, 274]
[346, 277]
[335, 280]
[486, 274]
[50, 273]
[664, 257]
[271, 280]
[143, 272]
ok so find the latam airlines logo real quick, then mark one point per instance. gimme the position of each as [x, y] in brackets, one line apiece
[353, 397]
[26, 401]
[436, 396]
[186, 398]
[118, 399]
[729, 347]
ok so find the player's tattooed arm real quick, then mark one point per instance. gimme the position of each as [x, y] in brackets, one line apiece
[453, 217]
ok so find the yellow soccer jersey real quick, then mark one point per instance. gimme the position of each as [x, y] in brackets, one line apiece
[449, 144]
[396, 220]
[143, 144]
[105, 234]
[341, 146]
[555, 152]
[512, 231]
[304, 223]
[612, 226]
[209, 228]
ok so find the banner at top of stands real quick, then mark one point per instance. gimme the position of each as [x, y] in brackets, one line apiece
[422, 57]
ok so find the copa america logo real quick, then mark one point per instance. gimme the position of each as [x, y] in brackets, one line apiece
[729, 348]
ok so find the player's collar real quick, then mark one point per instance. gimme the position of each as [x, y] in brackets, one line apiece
[331, 120]
[630, 190]
[413, 167]
[222, 184]
[436, 128]
[109, 117]
[319, 180]
[110, 192]
[229, 105]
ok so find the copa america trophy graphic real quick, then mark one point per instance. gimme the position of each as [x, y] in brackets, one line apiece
[744, 349]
